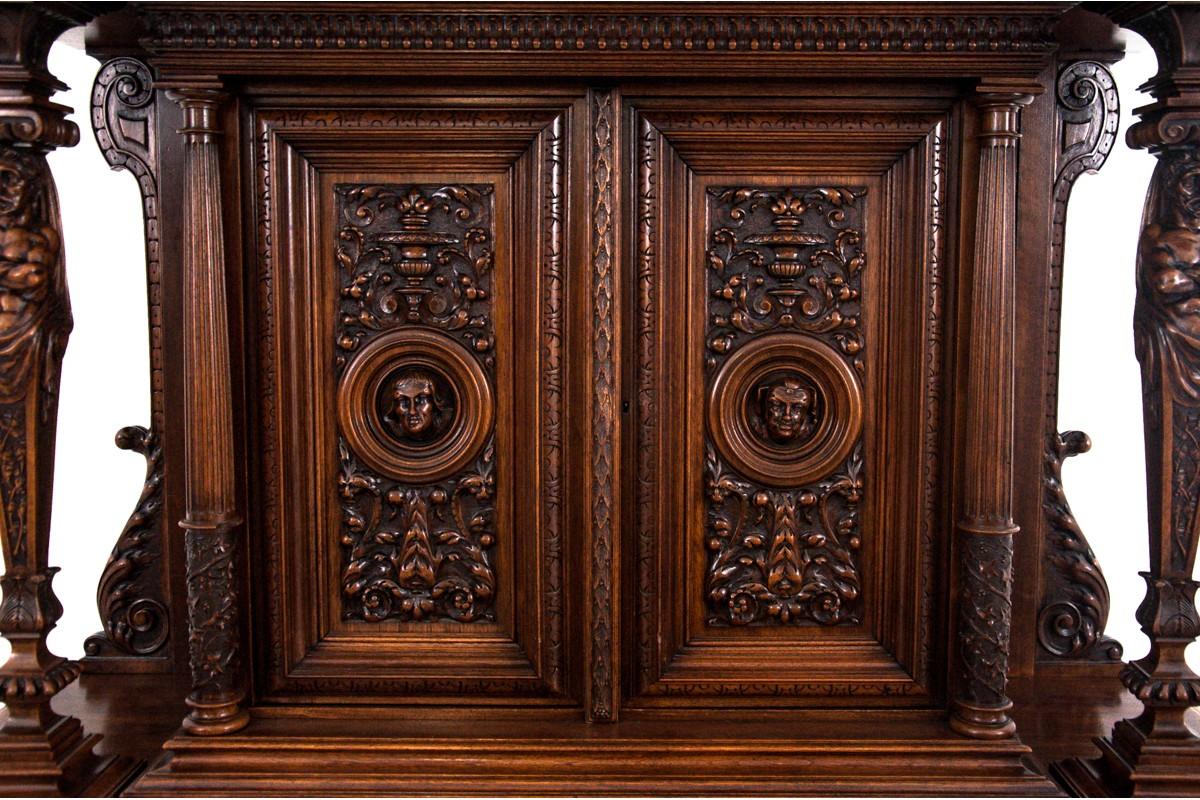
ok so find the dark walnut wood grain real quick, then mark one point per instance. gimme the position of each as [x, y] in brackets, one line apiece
[785, 405]
[43, 752]
[579, 401]
[1157, 752]
[132, 594]
[1075, 600]
[415, 404]
[211, 524]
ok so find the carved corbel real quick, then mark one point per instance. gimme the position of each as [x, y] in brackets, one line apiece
[1075, 599]
[211, 523]
[130, 596]
[979, 703]
[1156, 753]
[40, 751]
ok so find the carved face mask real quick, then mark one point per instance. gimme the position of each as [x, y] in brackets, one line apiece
[414, 404]
[13, 187]
[787, 409]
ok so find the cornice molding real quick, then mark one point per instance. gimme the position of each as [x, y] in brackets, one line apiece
[608, 39]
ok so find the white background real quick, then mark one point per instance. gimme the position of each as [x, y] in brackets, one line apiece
[105, 381]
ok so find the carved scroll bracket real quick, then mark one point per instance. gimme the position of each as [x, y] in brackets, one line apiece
[211, 523]
[1075, 599]
[979, 703]
[131, 594]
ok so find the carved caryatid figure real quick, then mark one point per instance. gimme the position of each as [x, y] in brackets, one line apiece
[1169, 290]
[788, 410]
[29, 248]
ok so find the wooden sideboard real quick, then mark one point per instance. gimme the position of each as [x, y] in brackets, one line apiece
[601, 398]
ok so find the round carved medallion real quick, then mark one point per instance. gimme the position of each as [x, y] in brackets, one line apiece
[415, 405]
[785, 409]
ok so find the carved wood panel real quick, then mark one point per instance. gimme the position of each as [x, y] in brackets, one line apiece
[784, 464]
[415, 404]
[412, 384]
[769, 528]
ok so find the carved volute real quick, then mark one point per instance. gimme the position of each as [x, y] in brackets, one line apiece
[130, 595]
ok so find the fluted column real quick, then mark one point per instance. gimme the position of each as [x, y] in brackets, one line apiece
[979, 703]
[211, 524]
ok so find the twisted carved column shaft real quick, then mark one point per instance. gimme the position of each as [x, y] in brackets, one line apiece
[979, 704]
[211, 525]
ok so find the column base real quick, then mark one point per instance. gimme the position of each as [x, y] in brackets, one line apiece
[979, 722]
[215, 718]
[60, 762]
[1132, 764]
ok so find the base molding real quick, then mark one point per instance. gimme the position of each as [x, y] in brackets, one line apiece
[659, 754]
[1132, 765]
[60, 762]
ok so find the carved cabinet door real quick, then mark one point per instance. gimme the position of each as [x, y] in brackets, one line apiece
[411, 378]
[785, 376]
[744, 304]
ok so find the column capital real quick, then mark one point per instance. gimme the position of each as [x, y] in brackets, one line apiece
[1172, 121]
[201, 101]
[1000, 101]
[28, 117]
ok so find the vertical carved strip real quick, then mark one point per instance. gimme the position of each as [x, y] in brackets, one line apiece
[932, 466]
[603, 686]
[130, 595]
[552, 394]
[1075, 600]
[647, 394]
[211, 524]
[979, 704]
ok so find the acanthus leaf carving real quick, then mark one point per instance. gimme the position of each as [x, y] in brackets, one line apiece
[801, 273]
[1075, 599]
[604, 400]
[785, 556]
[1071, 624]
[135, 620]
[416, 255]
[784, 461]
[418, 553]
[131, 596]
[417, 525]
